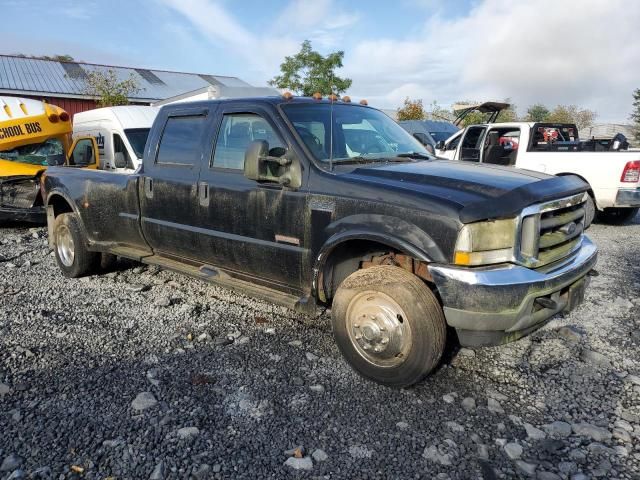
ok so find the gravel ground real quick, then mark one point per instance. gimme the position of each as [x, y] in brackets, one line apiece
[141, 373]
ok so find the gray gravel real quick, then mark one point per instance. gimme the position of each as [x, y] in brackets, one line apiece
[141, 373]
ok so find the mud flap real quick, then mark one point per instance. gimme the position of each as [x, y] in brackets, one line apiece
[575, 295]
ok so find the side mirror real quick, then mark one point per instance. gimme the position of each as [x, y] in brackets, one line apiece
[119, 160]
[260, 166]
[440, 145]
[430, 149]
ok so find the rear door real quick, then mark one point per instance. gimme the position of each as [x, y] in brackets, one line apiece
[169, 183]
[254, 228]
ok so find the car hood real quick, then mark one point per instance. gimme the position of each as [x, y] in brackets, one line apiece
[477, 191]
[17, 169]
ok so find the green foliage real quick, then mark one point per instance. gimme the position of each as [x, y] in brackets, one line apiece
[508, 114]
[436, 112]
[635, 115]
[108, 90]
[56, 58]
[412, 110]
[572, 114]
[308, 72]
[537, 113]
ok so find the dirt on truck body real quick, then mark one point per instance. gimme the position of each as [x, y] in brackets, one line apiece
[313, 202]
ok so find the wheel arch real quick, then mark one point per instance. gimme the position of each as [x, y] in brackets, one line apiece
[57, 203]
[343, 254]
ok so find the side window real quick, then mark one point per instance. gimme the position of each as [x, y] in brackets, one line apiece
[83, 154]
[237, 131]
[453, 144]
[120, 150]
[181, 140]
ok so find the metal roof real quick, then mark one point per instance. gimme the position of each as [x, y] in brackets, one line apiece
[31, 76]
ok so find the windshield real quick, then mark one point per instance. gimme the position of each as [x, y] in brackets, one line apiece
[138, 139]
[359, 133]
[49, 152]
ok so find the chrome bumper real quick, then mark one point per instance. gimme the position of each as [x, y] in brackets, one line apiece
[502, 299]
[628, 197]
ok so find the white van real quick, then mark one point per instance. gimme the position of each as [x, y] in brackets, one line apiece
[120, 132]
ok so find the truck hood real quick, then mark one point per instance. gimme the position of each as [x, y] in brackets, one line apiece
[477, 191]
[17, 169]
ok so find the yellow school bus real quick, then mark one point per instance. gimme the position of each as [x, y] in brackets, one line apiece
[33, 136]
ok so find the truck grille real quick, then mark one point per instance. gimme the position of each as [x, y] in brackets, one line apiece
[551, 231]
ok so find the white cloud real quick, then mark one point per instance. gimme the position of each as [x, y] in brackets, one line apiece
[545, 51]
[318, 21]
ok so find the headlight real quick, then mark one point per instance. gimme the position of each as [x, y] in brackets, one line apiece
[483, 243]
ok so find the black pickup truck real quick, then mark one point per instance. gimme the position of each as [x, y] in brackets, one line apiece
[316, 202]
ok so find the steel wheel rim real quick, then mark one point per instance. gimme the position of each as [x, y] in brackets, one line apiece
[378, 329]
[65, 246]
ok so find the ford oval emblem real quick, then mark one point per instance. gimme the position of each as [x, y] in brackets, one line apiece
[569, 229]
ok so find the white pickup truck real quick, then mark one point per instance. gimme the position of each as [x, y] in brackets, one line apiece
[614, 176]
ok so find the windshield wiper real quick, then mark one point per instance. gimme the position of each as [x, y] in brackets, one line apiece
[418, 155]
[360, 159]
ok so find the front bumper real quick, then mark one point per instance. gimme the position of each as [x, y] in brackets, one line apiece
[628, 197]
[35, 215]
[493, 305]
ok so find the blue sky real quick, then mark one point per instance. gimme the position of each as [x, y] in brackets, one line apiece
[544, 51]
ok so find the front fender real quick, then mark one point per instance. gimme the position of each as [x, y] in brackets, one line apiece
[391, 231]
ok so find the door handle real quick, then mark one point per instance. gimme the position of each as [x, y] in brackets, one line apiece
[148, 187]
[203, 194]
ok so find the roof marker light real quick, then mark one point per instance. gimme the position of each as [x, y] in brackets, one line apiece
[317, 96]
[364, 102]
[287, 95]
[346, 99]
[333, 97]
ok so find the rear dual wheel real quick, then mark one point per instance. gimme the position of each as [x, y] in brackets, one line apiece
[70, 247]
[388, 325]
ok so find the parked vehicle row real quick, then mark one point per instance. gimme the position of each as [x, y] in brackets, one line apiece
[613, 176]
[315, 202]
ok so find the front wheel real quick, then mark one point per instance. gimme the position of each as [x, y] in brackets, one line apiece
[618, 216]
[69, 245]
[388, 325]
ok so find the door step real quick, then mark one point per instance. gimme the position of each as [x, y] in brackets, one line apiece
[304, 304]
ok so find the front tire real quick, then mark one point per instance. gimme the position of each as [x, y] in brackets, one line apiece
[70, 247]
[618, 216]
[388, 325]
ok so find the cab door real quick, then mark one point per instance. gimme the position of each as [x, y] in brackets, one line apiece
[84, 153]
[472, 144]
[255, 228]
[169, 182]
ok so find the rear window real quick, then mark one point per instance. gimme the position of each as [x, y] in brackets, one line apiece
[181, 140]
[545, 138]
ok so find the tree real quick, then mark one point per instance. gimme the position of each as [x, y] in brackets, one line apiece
[436, 112]
[537, 113]
[509, 114]
[572, 114]
[108, 90]
[56, 58]
[635, 115]
[308, 72]
[412, 110]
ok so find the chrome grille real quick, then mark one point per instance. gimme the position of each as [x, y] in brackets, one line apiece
[551, 231]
